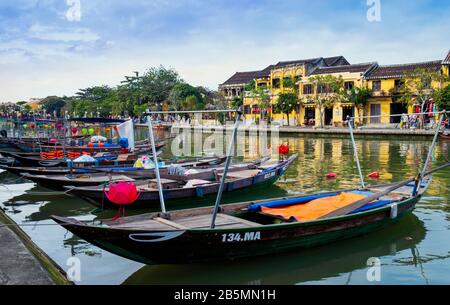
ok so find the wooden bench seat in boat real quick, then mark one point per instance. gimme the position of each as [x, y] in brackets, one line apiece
[241, 174]
[196, 182]
[223, 221]
[165, 184]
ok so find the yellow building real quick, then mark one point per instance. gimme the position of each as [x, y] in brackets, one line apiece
[293, 76]
[353, 77]
[35, 104]
[385, 83]
[283, 77]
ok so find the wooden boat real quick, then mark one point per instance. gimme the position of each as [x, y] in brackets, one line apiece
[291, 268]
[97, 179]
[87, 179]
[103, 159]
[31, 147]
[103, 176]
[126, 169]
[246, 229]
[197, 185]
[445, 135]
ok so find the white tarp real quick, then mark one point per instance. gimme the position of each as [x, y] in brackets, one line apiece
[84, 159]
[96, 139]
[126, 130]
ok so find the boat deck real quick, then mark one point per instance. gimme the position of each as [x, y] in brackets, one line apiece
[87, 177]
[223, 221]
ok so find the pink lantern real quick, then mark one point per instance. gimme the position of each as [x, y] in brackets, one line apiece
[52, 140]
[122, 193]
[59, 126]
[74, 130]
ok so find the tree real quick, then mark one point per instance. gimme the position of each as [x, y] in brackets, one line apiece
[288, 82]
[185, 97]
[442, 98]
[96, 100]
[286, 103]
[329, 90]
[417, 87]
[157, 83]
[359, 96]
[53, 104]
[250, 86]
[263, 99]
[237, 102]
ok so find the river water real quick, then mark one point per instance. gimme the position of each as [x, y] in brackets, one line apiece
[414, 251]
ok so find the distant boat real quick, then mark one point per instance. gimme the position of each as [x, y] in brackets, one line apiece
[205, 182]
[445, 135]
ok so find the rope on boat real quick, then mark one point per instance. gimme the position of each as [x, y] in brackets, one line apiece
[35, 193]
[28, 225]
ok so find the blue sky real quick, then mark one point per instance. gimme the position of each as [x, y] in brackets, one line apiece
[45, 52]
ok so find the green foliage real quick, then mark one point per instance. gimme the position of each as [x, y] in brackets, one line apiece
[134, 96]
[157, 83]
[53, 104]
[250, 86]
[237, 102]
[286, 103]
[288, 83]
[329, 90]
[442, 98]
[358, 96]
[417, 86]
[185, 97]
[96, 100]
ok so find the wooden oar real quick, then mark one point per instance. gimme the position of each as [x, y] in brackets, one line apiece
[360, 203]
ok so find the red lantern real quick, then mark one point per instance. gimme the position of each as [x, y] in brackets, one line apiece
[331, 175]
[283, 149]
[374, 175]
[100, 144]
[74, 130]
[32, 126]
[90, 144]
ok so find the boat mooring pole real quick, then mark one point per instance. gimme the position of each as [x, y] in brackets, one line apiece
[431, 150]
[225, 170]
[155, 160]
[350, 127]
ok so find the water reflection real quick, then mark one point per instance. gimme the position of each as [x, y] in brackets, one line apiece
[416, 247]
[295, 267]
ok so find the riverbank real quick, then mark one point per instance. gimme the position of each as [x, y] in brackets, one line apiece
[310, 130]
[23, 262]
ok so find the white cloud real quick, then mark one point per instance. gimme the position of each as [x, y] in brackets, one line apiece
[62, 34]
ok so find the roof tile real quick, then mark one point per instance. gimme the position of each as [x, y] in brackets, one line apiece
[397, 71]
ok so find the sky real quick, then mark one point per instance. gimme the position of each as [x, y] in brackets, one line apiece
[55, 47]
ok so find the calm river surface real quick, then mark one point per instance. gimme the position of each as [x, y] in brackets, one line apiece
[414, 251]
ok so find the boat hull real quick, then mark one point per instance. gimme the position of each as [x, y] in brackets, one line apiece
[201, 245]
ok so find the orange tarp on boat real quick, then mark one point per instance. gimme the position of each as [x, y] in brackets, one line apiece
[315, 208]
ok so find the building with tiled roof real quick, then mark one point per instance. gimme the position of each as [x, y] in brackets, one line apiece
[398, 71]
[336, 61]
[241, 78]
[363, 69]
[234, 86]
[446, 60]
[293, 76]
